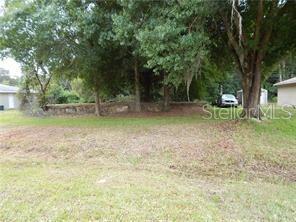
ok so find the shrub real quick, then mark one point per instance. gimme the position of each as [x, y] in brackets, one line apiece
[274, 99]
[57, 95]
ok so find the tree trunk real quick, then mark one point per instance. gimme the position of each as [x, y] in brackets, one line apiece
[137, 88]
[147, 84]
[166, 98]
[166, 95]
[43, 101]
[252, 93]
[98, 103]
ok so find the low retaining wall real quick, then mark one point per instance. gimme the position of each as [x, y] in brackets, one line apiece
[86, 108]
[111, 108]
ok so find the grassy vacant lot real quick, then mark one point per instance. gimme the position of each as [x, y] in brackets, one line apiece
[146, 169]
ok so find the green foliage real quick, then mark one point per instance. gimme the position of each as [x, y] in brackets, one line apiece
[283, 70]
[32, 33]
[206, 86]
[82, 90]
[58, 95]
[96, 57]
[279, 19]
[127, 23]
[183, 42]
[173, 41]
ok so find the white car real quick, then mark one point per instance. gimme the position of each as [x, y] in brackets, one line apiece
[227, 100]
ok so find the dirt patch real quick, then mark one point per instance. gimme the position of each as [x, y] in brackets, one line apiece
[190, 149]
[185, 142]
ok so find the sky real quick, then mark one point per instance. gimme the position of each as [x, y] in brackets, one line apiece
[1, 6]
[9, 64]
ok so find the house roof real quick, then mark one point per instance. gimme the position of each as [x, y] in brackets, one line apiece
[286, 82]
[8, 89]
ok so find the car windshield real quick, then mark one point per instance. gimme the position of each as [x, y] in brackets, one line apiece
[228, 96]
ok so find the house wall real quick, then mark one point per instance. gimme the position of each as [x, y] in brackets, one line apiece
[287, 95]
[9, 101]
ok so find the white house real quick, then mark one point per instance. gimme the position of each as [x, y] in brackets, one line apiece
[263, 97]
[287, 92]
[8, 97]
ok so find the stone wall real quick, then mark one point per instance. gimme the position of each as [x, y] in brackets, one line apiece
[86, 108]
[110, 108]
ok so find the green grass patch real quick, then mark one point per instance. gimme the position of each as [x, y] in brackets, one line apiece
[33, 191]
[70, 192]
[15, 118]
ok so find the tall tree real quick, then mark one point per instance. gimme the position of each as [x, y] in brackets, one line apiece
[174, 43]
[127, 23]
[257, 34]
[95, 57]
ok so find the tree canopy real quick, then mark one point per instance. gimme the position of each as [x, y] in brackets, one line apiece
[139, 47]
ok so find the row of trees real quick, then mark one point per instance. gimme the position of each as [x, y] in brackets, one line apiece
[165, 42]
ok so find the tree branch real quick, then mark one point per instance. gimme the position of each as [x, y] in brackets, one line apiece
[235, 45]
[258, 20]
[192, 23]
[269, 27]
[35, 71]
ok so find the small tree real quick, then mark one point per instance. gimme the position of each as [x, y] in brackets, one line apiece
[29, 34]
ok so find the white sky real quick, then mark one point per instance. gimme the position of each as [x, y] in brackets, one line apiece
[1, 6]
[9, 64]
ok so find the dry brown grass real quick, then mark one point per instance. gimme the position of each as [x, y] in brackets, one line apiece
[191, 150]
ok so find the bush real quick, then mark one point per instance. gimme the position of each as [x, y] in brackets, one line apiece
[123, 98]
[57, 95]
[71, 97]
[274, 99]
[82, 91]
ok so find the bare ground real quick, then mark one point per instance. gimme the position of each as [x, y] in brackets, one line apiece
[190, 150]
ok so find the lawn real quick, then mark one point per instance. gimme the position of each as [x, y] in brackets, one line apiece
[146, 169]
